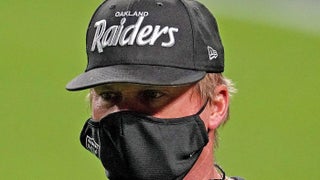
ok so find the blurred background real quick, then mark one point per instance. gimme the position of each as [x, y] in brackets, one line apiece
[272, 55]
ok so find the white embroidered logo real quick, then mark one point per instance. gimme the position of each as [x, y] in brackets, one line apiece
[128, 35]
[213, 54]
[92, 146]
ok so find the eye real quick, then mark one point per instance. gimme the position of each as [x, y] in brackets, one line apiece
[149, 95]
[110, 96]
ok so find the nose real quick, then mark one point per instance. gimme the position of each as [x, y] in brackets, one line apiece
[121, 102]
[124, 101]
[100, 110]
[127, 104]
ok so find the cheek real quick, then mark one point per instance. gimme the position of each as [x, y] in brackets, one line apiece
[205, 117]
[99, 108]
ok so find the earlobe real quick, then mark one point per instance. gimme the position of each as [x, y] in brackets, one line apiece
[219, 107]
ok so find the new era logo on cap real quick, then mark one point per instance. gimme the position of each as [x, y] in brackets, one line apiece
[213, 54]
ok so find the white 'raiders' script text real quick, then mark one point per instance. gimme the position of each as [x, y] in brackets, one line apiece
[121, 35]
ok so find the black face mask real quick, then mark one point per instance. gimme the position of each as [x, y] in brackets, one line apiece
[131, 145]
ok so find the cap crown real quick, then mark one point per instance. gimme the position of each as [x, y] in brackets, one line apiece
[168, 33]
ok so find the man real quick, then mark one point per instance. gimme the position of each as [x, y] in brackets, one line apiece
[156, 89]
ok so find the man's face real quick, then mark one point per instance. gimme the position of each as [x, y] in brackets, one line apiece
[165, 102]
[157, 101]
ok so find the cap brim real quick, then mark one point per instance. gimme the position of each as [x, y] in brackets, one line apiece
[138, 74]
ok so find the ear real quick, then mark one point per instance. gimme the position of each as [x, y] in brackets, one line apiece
[219, 107]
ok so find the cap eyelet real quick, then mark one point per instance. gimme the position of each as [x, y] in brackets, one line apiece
[160, 4]
[112, 7]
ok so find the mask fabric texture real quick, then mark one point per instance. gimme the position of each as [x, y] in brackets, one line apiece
[132, 145]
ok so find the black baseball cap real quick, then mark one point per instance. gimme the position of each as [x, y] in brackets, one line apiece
[152, 42]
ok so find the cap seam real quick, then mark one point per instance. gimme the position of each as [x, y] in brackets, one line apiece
[192, 31]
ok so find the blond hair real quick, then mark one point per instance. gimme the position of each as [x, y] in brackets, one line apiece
[207, 85]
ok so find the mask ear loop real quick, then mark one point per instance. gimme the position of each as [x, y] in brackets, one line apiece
[203, 107]
[221, 171]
